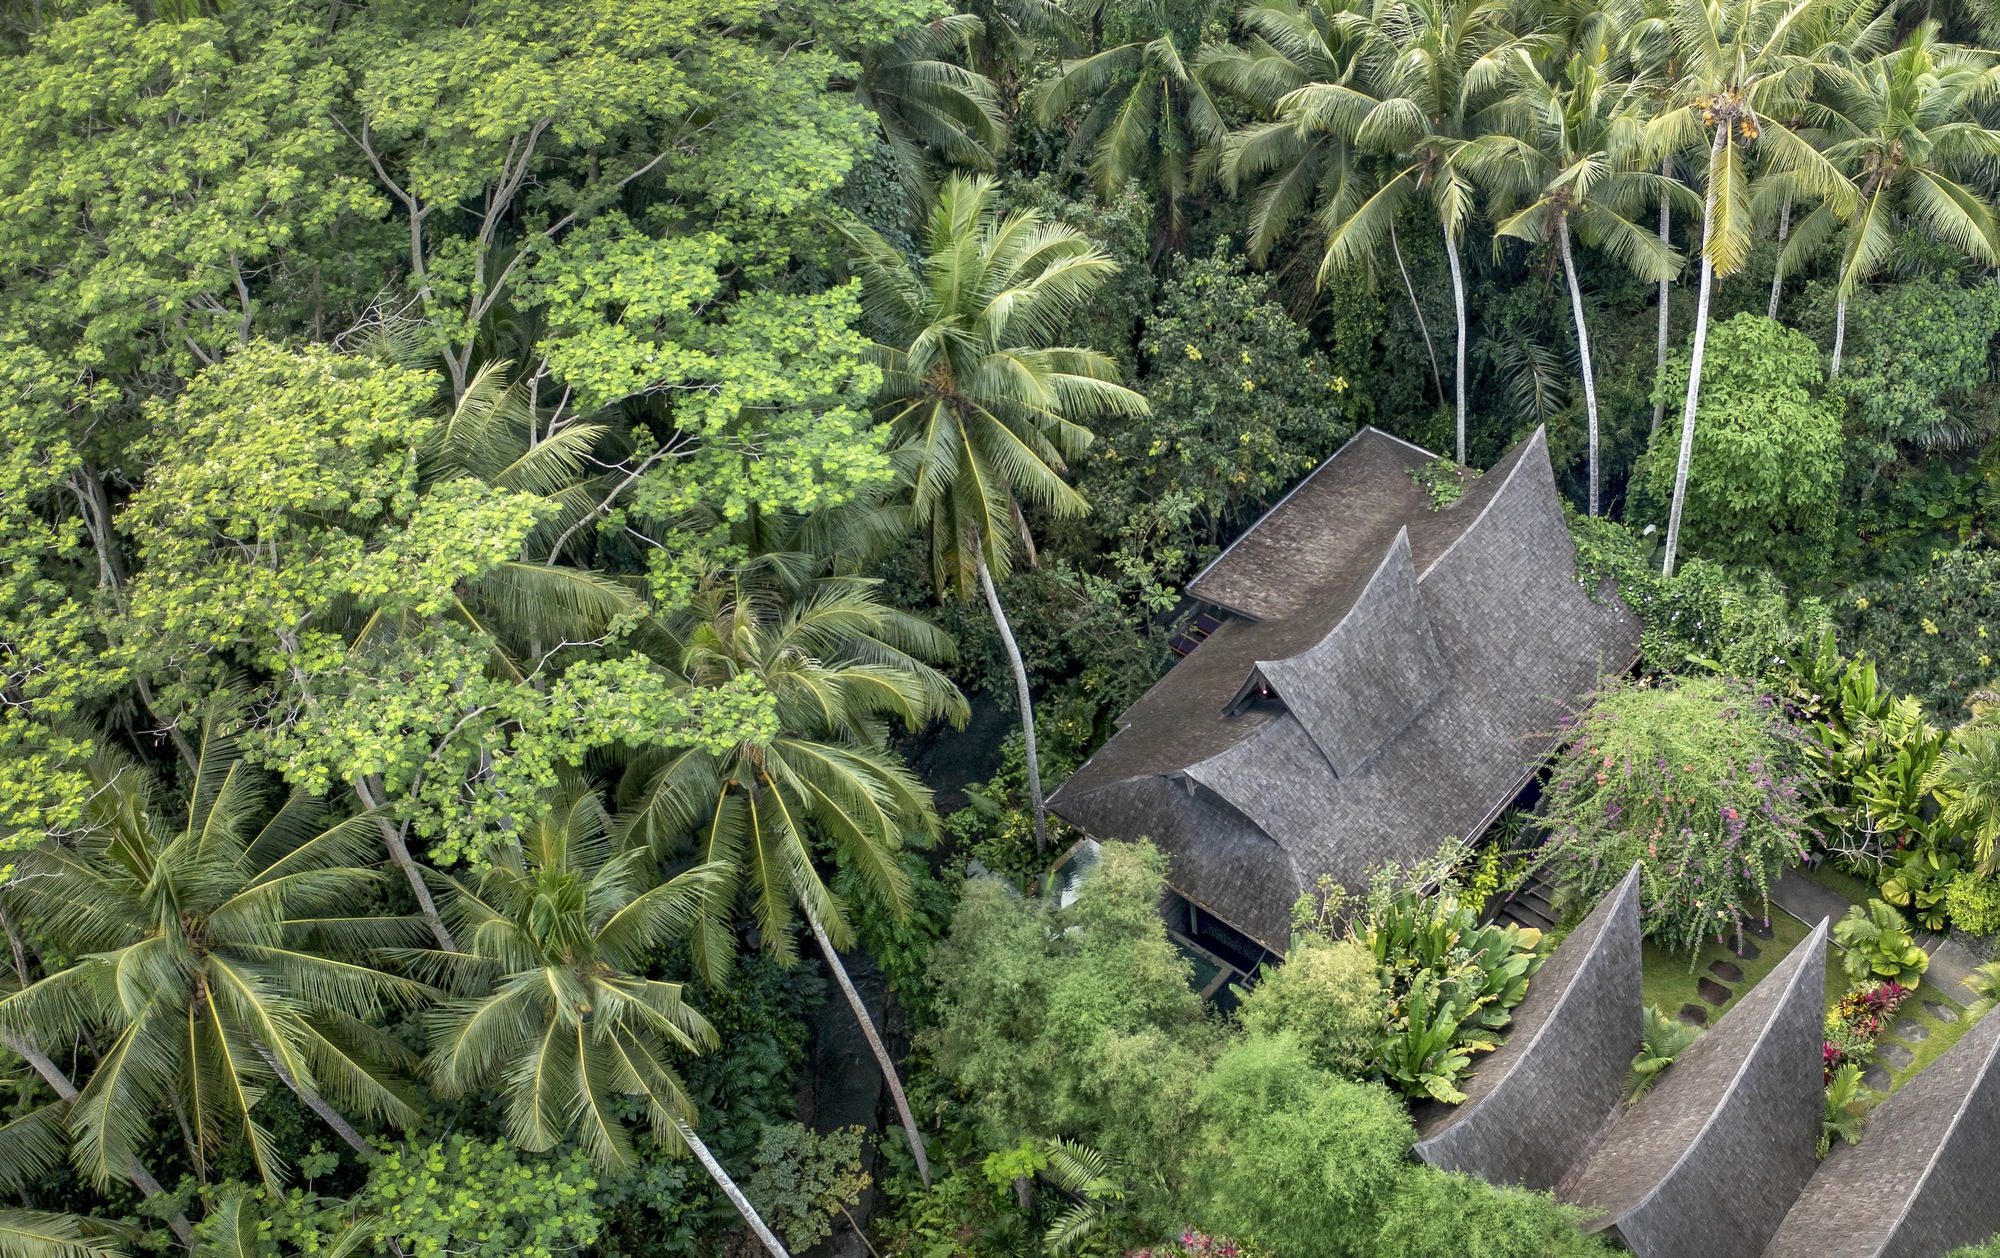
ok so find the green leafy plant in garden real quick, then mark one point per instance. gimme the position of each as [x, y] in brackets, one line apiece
[1327, 994]
[1974, 904]
[1934, 632]
[1919, 883]
[1878, 944]
[1664, 1039]
[1450, 984]
[1701, 782]
[1846, 1108]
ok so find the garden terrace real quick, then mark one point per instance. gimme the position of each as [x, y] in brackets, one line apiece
[1529, 1110]
[1709, 1162]
[1389, 671]
[1919, 1183]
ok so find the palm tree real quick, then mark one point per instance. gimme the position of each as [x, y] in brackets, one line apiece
[1418, 98]
[1302, 160]
[931, 108]
[207, 950]
[1576, 159]
[982, 409]
[551, 1000]
[1966, 783]
[1146, 111]
[1746, 63]
[1901, 128]
[837, 661]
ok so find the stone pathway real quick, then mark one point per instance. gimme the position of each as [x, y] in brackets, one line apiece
[1951, 962]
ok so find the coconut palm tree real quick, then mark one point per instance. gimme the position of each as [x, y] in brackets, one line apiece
[932, 109]
[1302, 162]
[837, 662]
[1574, 156]
[213, 958]
[982, 408]
[1745, 65]
[1145, 111]
[1903, 131]
[551, 1003]
[1425, 77]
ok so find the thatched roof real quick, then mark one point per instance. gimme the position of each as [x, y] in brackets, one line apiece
[1709, 1162]
[1389, 676]
[1920, 1183]
[1534, 1105]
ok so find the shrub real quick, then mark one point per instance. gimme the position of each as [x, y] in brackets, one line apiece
[1436, 1213]
[1764, 485]
[1974, 904]
[1700, 782]
[1297, 1159]
[1075, 1023]
[1929, 634]
[1327, 996]
[1855, 1020]
[803, 1179]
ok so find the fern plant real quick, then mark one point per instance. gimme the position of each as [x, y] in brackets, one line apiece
[1665, 1038]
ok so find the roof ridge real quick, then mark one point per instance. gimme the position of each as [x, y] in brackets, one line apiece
[1273, 509]
[1817, 936]
[1538, 438]
[1944, 1141]
[1401, 541]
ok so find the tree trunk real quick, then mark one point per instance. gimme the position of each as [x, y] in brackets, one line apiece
[369, 790]
[1583, 351]
[889, 1076]
[1027, 704]
[1839, 334]
[1458, 303]
[1694, 363]
[1437, 382]
[1660, 361]
[1778, 267]
[329, 1115]
[731, 1191]
[52, 1074]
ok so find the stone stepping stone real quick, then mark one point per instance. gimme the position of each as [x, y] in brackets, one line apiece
[1896, 1055]
[1940, 1010]
[1757, 927]
[1876, 1077]
[1694, 1015]
[1749, 951]
[1726, 972]
[1713, 992]
[1910, 1029]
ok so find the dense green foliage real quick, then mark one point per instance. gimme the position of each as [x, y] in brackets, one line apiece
[497, 501]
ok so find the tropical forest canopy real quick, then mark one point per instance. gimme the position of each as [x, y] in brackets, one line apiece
[498, 502]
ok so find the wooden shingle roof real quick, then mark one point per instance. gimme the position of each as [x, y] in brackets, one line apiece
[1420, 661]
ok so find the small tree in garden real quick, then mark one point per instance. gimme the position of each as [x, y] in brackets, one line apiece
[1702, 783]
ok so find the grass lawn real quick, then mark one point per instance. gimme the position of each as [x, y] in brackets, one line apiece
[1670, 983]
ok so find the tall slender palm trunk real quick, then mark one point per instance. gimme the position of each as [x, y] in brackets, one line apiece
[369, 790]
[1583, 351]
[1694, 363]
[1458, 302]
[1778, 267]
[1034, 766]
[731, 1191]
[1839, 335]
[328, 1115]
[1660, 361]
[1429, 349]
[29, 1051]
[882, 1059]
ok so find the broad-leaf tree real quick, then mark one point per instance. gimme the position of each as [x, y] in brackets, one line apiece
[982, 408]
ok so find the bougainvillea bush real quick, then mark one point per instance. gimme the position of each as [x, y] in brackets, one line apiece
[1702, 782]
